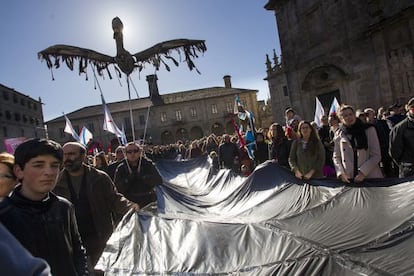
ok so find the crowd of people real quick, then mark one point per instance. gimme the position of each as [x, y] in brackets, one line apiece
[61, 204]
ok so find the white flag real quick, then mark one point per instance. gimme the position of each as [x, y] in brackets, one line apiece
[333, 110]
[319, 112]
[69, 129]
[109, 124]
[85, 135]
[124, 140]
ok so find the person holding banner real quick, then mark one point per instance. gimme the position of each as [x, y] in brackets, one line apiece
[137, 176]
[307, 154]
[357, 151]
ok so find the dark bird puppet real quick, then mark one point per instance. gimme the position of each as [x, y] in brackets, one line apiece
[124, 61]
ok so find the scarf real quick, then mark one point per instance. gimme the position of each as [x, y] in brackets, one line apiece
[359, 138]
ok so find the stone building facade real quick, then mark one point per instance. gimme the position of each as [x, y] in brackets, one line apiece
[20, 116]
[361, 52]
[185, 116]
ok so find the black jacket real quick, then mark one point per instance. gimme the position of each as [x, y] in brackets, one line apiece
[280, 152]
[138, 186]
[402, 141]
[48, 230]
[227, 152]
[107, 206]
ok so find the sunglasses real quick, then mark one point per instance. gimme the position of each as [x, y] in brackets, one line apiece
[132, 151]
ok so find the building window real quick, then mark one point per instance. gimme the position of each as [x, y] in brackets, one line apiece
[24, 118]
[62, 132]
[37, 121]
[17, 117]
[285, 91]
[29, 105]
[5, 131]
[193, 112]
[178, 116]
[127, 123]
[35, 106]
[22, 102]
[141, 120]
[32, 120]
[5, 95]
[230, 107]
[163, 117]
[243, 103]
[214, 109]
[91, 127]
[8, 115]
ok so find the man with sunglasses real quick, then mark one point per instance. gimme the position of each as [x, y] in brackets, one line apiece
[137, 177]
[98, 205]
[402, 142]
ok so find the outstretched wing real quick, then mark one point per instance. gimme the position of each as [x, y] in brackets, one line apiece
[56, 54]
[155, 55]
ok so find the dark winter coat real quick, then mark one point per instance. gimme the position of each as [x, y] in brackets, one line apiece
[138, 185]
[47, 229]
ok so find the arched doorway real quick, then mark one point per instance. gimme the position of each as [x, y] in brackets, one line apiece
[217, 129]
[182, 134]
[230, 128]
[196, 133]
[167, 138]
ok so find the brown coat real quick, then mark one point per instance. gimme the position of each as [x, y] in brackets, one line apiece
[368, 159]
[107, 205]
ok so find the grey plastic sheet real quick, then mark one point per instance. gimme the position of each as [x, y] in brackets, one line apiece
[217, 223]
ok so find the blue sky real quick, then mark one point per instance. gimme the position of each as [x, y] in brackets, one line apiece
[238, 35]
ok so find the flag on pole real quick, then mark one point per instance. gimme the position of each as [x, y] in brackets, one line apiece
[319, 112]
[109, 124]
[333, 110]
[250, 135]
[69, 129]
[85, 135]
[238, 108]
[124, 140]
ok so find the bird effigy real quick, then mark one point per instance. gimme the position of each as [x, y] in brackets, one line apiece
[124, 61]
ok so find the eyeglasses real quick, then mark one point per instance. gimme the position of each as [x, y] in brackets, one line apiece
[8, 176]
[132, 151]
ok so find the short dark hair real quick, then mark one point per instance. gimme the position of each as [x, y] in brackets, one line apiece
[35, 147]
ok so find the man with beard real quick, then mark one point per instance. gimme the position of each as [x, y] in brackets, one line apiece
[98, 205]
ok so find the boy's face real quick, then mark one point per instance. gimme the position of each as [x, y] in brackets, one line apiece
[38, 176]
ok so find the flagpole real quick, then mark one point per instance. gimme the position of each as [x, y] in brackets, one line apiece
[130, 110]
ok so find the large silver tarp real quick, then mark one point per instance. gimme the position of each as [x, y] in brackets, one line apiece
[270, 223]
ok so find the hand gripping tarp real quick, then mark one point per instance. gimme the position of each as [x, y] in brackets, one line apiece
[270, 223]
